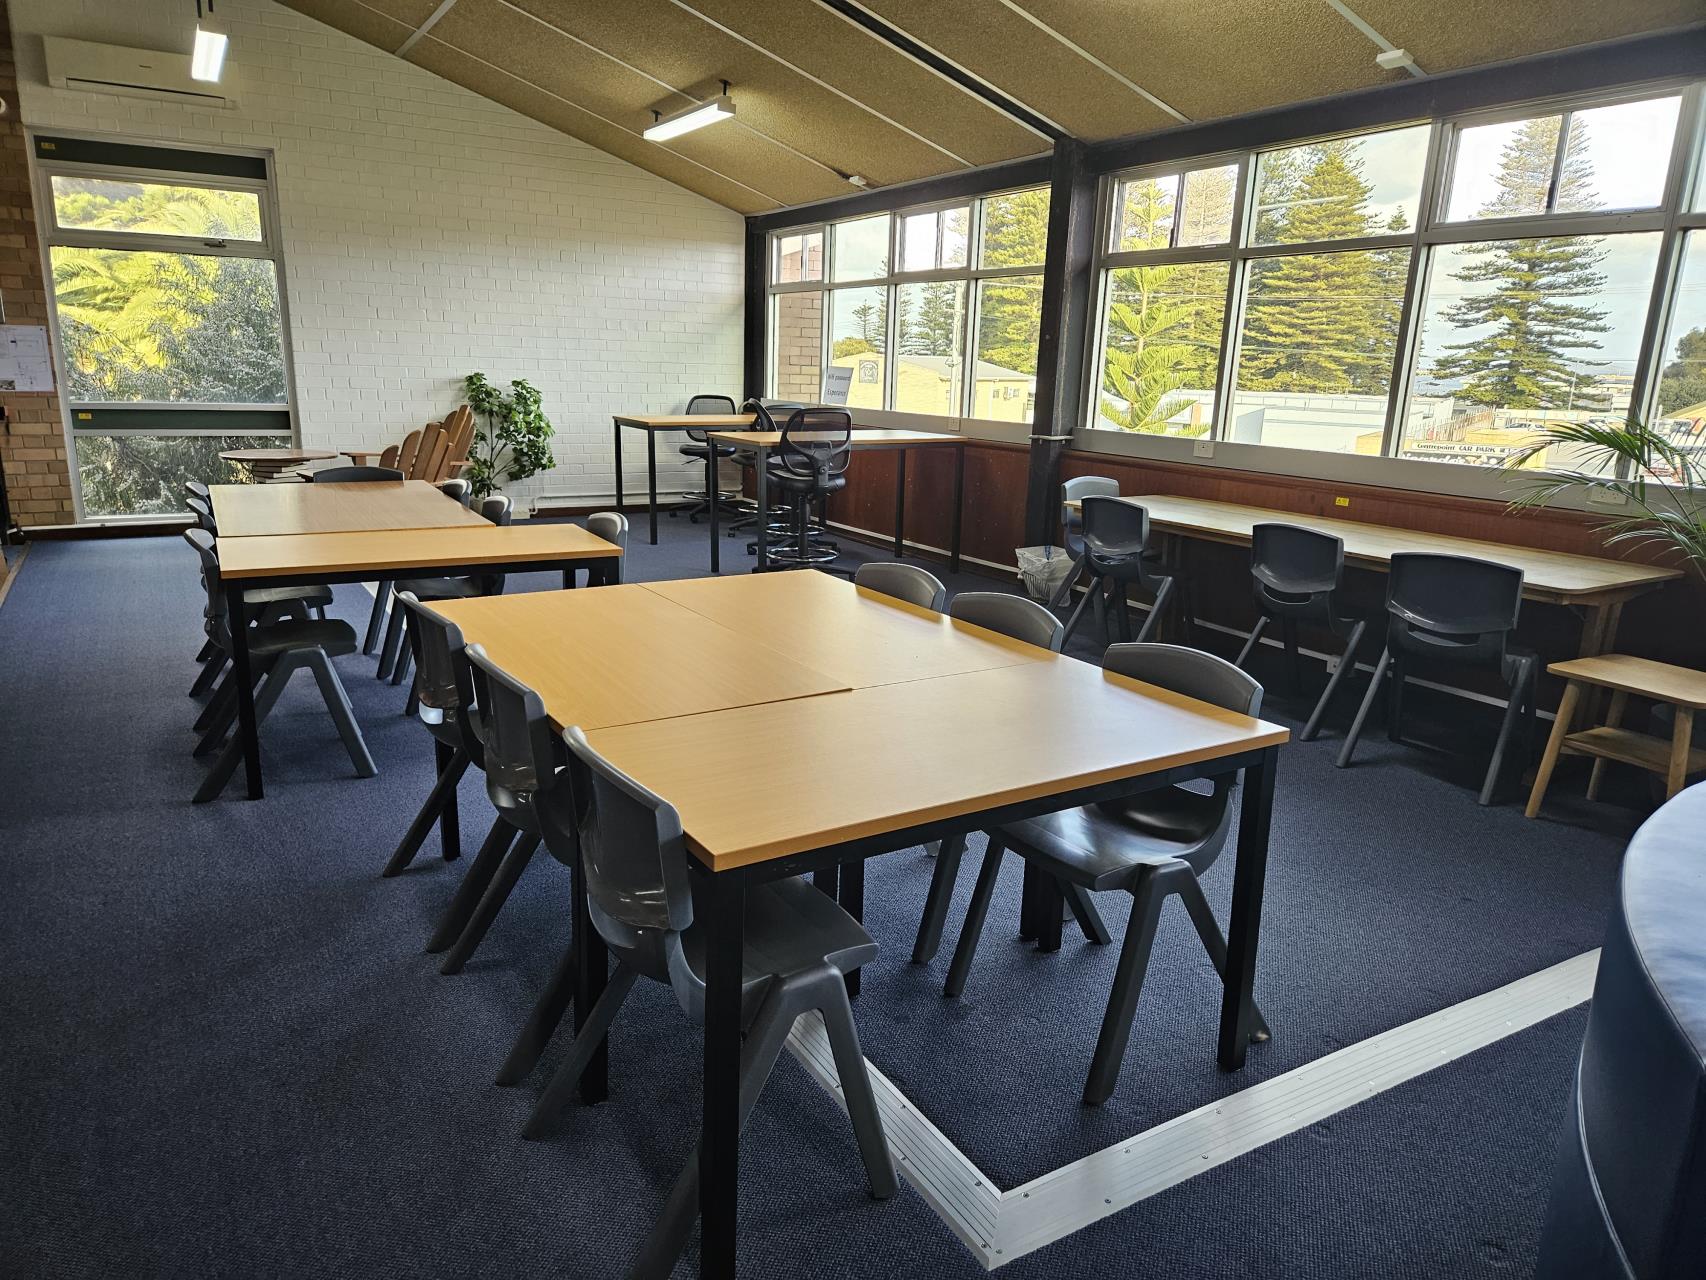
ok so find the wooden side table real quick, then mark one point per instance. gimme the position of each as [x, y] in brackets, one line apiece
[1682, 688]
[263, 465]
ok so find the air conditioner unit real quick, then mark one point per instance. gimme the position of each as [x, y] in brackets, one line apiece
[132, 73]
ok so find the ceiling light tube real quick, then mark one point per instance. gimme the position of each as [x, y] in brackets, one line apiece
[208, 59]
[695, 117]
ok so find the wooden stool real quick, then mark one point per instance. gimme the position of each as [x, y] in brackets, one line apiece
[1681, 687]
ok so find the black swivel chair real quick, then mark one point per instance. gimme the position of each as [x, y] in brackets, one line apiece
[1149, 846]
[1118, 556]
[628, 846]
[768, 415]
[809, 470]
[1297, 573]
[698, 449]
[354, 475]
[1454, 611]
[393, 657]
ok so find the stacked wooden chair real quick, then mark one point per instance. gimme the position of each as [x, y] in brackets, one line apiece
[437, 451]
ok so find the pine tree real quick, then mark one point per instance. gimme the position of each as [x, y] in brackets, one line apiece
[1528, 356]
[1015, 234]
[1683, 383]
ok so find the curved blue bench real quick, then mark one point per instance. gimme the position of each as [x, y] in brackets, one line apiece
[1629, 1194]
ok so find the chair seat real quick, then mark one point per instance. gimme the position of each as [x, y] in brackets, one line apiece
[1100, 846]
[334, 636]
[311, 596]
[703, 451]
[440, 588]
[807, 484]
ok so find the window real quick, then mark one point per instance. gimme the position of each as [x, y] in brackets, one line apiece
[169, 319]
[961, 313]
[1340, 189]
[1681, 401]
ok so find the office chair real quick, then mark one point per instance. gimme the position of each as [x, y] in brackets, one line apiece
[1296, 575]
[809, 470]
[781, 516]
[1455, 611]
[699, 450]
[1117, 555]
[902, 581]
[1150, 846]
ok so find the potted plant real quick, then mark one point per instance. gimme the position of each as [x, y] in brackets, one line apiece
[512, 441]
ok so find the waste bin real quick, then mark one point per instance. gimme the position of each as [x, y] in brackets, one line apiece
[1043, 569]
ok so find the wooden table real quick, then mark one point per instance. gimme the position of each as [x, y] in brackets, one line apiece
[762, 443]
[1597, 586]
[951, 729]
[246, 510]
[652, 424]
[1681, 687]
[297, 559]
[269, 464]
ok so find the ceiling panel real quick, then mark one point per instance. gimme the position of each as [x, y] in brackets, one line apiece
[360, 21]
[1447, 34]
[413, 12]
[1214, 58]
[1003, 49]
[821, 43]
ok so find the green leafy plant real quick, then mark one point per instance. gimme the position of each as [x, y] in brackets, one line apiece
[512, 441]
[1632, 463]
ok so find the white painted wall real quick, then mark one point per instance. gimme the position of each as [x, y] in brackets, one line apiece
[429, 233]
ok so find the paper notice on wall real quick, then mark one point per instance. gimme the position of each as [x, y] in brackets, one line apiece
[837, 381]
[25, 362]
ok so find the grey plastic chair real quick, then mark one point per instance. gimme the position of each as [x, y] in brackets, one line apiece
[1118, 556]
[612, 526]
[1296, 573]
[902, 581]
[628, 846]
[1072, 524]
[1011, 615]
[1454, 611]
[1149, 846]
[354, 475]
[394, 659]
[460, 491]
[277, 650]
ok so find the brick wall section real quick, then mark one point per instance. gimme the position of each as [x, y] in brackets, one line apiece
[37, 481]
[799, 346]
[429, 233]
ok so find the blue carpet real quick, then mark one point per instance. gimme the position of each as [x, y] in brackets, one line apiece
[226, 1054]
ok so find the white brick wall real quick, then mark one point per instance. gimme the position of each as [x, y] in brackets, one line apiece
[429, 233]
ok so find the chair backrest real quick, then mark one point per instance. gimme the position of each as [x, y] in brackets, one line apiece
[705, 404]
[354, 475]
[405, 460]
[196, 489]
[818, 458]
[1013, 616]
[633, 852]
[459, 435]
[442, 680]
[499, 508]
[1294, 561]
[202, 510]
[1453, 595]
[461, 490]
[517, 738]
[902, 581]
[213, 613]
[428, 453]
[390, 456]
[1076, 490]
[769, 414]
[612, 526]
[1114, 527]
[1190, 672]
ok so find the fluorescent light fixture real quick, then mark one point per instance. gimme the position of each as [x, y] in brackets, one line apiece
[694, 117]
[208, 60]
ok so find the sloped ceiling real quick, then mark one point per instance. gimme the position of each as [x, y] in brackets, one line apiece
[819, 97]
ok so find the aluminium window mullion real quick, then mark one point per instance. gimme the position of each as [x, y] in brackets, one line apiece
[1556, 182]
[1237, 290]
[1408, 347]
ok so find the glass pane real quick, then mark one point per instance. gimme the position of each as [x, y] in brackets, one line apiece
[1520, 334]
[1161, 347]
[930, 328]
[858, 337]
[861, 248]
[1682, 377]
[1320, 334]
[1364, 186]
[1618, 157]
[799, 257]
[1015, 229]
[1503, 170]
[1209, 194]
[1147, 206]
[126, 474]
[169, 327]
[1009, 323]
[156, 208]
[797, 348]
[931, 241]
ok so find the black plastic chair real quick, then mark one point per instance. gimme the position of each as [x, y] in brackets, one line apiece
[1150, 846]
[1118, 556]
[394, 659]
[627, 845]
[277, 650]
[1455, 611]
[1072, 524]
[808, 471]
[903, 582]
[1297, 573]
[698, 449]
[354, 475]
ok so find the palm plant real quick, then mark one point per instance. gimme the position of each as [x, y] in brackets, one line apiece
[1633, 464]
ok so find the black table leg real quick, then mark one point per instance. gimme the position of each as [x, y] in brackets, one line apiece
[619, 466]
[959, 507]
[591, 970]
[763, 478]
[899, 503]
[852, 895]
[237, 618]
[723, 912]
[1238, 999]
[711, 482]
[568, 579]
[652, 481]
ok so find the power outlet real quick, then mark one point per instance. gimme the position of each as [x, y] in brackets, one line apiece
[1607, 498]
[1203, 448]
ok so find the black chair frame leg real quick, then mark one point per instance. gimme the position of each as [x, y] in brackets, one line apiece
[491, 902]
[1347, 660]
[440, 795]
[542, 1023]
[942, 877]
[1368, 700]
[468, 893]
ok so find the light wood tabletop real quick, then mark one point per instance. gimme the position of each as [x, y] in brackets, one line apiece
[383, 551]
[622, 654]
[861, 437]
[249, 510]
[1551, 576]
[858, 636]
[883, 758]
[681, 421]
